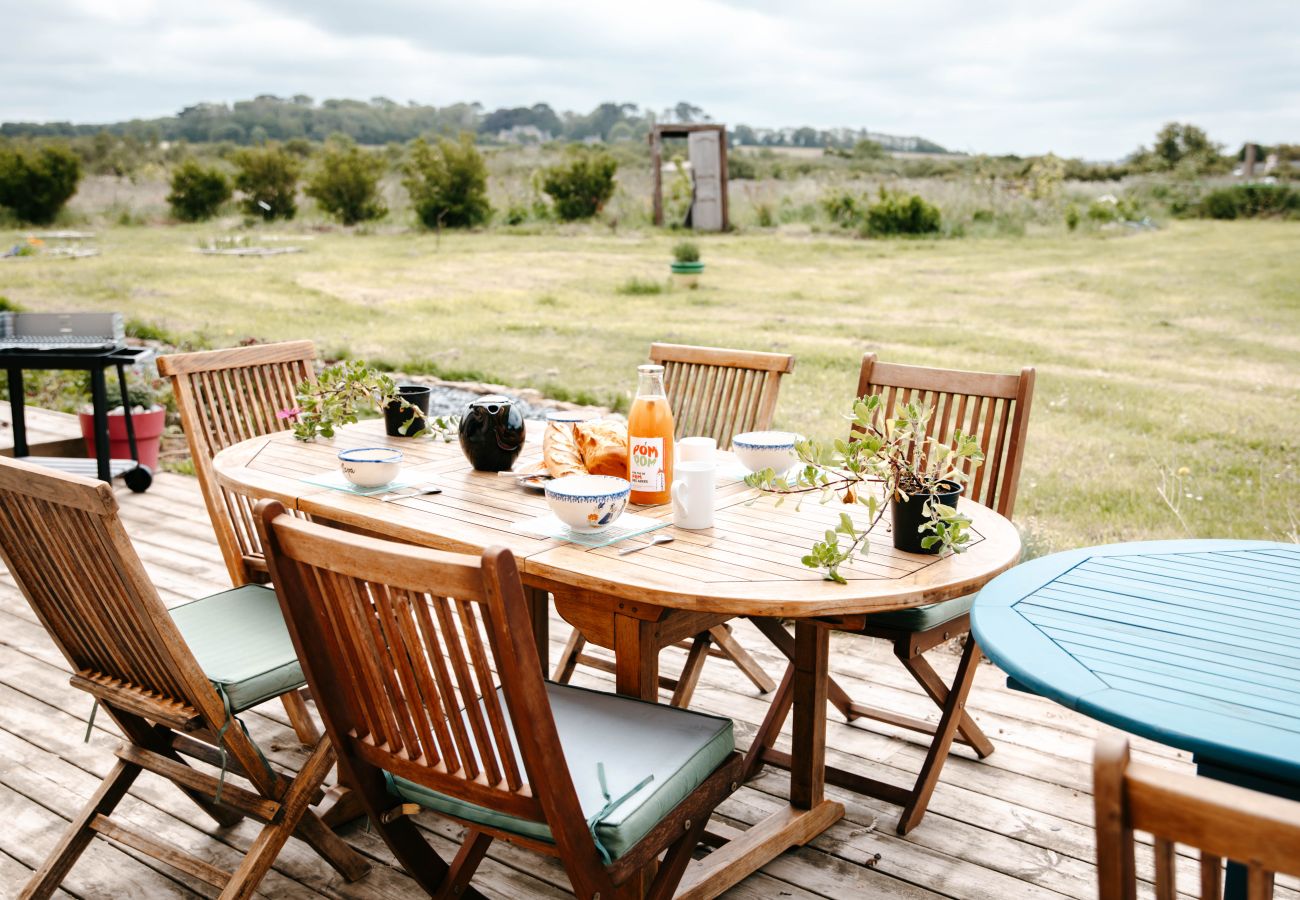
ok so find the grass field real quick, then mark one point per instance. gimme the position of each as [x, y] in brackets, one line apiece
[1158, 353]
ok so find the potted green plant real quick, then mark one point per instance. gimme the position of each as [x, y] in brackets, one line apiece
[686, 266]
[145, 398]
[345, 390]
[919, 476]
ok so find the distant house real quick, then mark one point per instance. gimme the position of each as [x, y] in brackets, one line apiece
[524, 134]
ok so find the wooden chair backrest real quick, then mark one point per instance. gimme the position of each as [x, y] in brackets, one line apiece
[228, 396]
[1223, 821]
[994, 408]
[64, 544]
[720, 393]
[404, 649]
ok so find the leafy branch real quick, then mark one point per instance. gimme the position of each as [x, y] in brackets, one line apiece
[894, 450]
[342, 390]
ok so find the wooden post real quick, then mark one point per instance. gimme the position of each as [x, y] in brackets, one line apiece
[1249, 168]
[656, 163]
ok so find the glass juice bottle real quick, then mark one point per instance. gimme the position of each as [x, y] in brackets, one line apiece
[650, 439]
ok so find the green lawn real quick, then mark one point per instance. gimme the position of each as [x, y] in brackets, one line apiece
[1157, 352]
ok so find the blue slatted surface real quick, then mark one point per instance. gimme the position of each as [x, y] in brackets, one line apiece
[1195, 644]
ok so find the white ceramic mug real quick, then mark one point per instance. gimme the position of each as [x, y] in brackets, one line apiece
[696, 449]
[692, 494]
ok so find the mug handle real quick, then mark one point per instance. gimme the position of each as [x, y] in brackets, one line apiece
[677, 494]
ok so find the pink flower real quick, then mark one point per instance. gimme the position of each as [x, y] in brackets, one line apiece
[293, 413]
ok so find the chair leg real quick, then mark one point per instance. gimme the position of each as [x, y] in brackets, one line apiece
[463, 867]
[733, 650]
[933, 685]
[784, 641]
[675, 861]
[295, 705]
[953, 710]
[691, 670]
[569, 658]
[78, 835]
[293, 807]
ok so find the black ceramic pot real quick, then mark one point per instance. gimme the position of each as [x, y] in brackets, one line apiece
[492, 433]
[397, 414]
[909, 516]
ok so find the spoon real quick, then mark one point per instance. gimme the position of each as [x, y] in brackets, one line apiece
[661, 539]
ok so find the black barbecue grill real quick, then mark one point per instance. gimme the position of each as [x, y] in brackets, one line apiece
[92, 342]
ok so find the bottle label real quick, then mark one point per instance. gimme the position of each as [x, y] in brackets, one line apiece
[646, 464]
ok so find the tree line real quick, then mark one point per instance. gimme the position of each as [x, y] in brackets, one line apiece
[381, 121]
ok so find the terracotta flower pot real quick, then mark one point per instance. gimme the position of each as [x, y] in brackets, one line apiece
[148, 435]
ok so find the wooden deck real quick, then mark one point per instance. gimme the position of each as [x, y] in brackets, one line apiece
[49, 433]
[1016, 825]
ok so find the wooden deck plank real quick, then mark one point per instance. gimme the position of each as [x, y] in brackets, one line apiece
[1015, 825]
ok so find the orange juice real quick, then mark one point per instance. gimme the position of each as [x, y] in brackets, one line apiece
[650, 439]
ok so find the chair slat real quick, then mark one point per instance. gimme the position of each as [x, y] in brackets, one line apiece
[720, 393]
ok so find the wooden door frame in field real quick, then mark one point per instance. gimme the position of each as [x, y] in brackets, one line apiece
[657, 134]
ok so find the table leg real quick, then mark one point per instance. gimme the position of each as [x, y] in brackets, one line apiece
[808, 745]
[16, 410]
[99, 400]
[636, 653]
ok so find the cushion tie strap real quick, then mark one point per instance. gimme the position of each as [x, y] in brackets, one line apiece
[607, 810]
[90, 723]
[221, 744]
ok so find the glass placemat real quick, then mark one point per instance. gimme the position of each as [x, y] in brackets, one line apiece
[336, 482]
[625, 526]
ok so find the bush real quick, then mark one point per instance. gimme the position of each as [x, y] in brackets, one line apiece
[638, 287]
[1251, 201]
[686, 252]
[896, 214]
[35, 184]
[268, 177]
[741, 168]
[581, 187]
[1109, 208]
[197, 191]
[843, 208]
[448, 183]
[346, 182]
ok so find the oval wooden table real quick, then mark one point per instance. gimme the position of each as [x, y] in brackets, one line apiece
[746, 565]
[1195, 644]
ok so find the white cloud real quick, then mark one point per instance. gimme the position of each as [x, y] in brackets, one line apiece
[1092, 79]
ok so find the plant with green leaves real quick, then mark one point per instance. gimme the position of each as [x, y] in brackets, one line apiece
[268, 177]
[686, 252]
[342, 392]
[893, 450]
[197, 191]
[345, 183]
[36, 184]
[580, 187]
[447, 182]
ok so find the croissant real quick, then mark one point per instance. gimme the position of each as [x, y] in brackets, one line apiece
[560, 450]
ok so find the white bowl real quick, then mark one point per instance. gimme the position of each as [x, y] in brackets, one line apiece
[370, 467]
[759, 450]
[587, 503]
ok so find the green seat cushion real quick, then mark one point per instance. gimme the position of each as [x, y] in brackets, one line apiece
[242, 645]
[923, 618]
[633, 739]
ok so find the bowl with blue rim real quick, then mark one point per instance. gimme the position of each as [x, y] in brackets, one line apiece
[587, 503]
[759, 450]
[371, 467]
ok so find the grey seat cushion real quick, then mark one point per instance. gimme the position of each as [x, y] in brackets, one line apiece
[242, 644]
[923, 618]
[634, 740]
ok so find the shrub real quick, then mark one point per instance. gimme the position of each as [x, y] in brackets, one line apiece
[843, 208]
[581, 187]
[640, 287]
[741, 168]
[896, 214]
[1109, 208]
[686, 252]
[346, 182]
[197, 191]
[1072, 217]
[35, 184]
[268, 177]
[448, 183]
[1251, 201]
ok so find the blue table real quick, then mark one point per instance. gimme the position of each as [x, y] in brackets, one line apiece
[1195, 644]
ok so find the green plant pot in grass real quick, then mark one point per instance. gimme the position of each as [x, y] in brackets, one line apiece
[686, 265]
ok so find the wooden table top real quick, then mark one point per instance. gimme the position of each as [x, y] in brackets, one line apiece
[1195, 644]
[747, 564]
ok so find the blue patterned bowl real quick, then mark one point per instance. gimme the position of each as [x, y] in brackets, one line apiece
[759, 450]
[370, 467]
[587, 503]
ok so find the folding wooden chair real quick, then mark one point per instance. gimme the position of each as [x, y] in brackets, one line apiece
[714, 393]
[1222, 821]
[426, 671]
[228, 396]
[173, 683]
[996, 409]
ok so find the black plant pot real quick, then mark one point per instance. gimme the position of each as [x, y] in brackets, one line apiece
[492, 433]
[909, 516]
[397, 414]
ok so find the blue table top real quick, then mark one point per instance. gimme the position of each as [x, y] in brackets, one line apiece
[1195, 644]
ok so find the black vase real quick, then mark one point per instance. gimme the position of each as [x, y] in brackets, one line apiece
[909, 516]
[492, 433]
[397, 414]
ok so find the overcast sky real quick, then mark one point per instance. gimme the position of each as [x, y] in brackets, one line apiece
[1091, 79]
